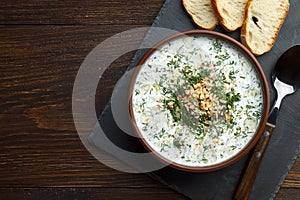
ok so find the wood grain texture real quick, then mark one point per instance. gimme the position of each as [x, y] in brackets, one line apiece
[87, 193]
[74, 12]
[40, 145]
[42, 44]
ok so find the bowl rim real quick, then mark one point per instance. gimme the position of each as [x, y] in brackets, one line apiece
[263, 82]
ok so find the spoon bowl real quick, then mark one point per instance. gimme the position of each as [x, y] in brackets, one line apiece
[286, 78]
[287, 69]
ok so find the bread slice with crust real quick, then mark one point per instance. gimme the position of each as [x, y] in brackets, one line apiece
[202, 13]
[231, 13]
[262, 24]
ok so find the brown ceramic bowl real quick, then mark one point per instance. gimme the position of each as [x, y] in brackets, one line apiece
[194, 145]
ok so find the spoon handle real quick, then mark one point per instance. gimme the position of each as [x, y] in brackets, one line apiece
[245, 186]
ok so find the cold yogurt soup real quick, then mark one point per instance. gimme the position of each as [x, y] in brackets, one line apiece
[197, 100]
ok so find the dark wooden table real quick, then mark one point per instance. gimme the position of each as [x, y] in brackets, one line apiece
[42, 44]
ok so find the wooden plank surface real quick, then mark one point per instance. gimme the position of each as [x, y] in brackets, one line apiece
[43, 43]
[87, 193]
[73, 12]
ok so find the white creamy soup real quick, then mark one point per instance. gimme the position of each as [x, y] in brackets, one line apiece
[197, 100]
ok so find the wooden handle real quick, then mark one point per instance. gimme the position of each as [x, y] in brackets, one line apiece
[245, 186]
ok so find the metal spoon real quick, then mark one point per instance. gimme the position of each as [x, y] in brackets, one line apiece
[286, 80]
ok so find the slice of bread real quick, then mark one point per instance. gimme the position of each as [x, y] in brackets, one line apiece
[202, 13]
[262, 24]
[231, 13]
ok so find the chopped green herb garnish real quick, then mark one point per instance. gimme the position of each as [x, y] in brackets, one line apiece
[142, 106]
[217, 46]
[231, 75]
[176, 143]
[137, 91]
[257, 114]
[223, 57]
[233, 147]
[249, 106]
[175, 62]
[237, 134]
[192, 76]
[172, 104]
[232, 97]
[231, 124]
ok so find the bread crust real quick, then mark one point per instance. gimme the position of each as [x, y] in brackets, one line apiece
[244, 31]
[221, 19]
[193, 18]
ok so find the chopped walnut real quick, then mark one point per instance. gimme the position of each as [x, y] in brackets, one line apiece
[202, 94]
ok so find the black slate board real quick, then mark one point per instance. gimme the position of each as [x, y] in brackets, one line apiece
[284, 146]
